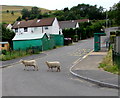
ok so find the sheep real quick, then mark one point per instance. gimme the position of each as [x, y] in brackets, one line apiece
[29, 63]
[52, 65]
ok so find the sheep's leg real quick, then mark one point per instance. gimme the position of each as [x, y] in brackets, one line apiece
[34, 67]
[25, 67]
[37, 68]
[48, 69]
[52, 69]
[58, 69]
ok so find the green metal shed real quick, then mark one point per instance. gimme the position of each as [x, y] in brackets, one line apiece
[25, 41]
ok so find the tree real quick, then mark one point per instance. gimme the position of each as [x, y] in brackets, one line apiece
[39, 16]
[117, 14]
[12, 12]
[25, 13]
[35, 10]
[114, 13]
[19, 19]
[7, 34]
[7, 11]
[66, 9]
[32, 14]
[46, 15]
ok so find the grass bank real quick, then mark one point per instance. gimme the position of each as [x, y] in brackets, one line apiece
[16, 54]
[108, 65]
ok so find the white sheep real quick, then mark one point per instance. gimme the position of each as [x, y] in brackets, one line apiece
[29, 63]
[54, 64]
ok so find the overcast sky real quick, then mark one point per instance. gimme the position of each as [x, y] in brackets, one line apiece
[59, 4]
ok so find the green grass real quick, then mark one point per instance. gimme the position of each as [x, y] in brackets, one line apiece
[107, 64]
[15, 54]
[9, 18]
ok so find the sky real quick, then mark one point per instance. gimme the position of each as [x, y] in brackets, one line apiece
[59, 4]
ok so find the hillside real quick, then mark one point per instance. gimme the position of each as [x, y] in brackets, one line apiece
[9, 18]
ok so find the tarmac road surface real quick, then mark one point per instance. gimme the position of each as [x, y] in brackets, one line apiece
[18, 82]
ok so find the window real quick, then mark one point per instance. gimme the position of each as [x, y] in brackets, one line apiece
[46, 28]
[25, 29]
[3, 45]
[16, 29]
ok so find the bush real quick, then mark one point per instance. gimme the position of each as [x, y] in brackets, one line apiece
[4, 52]
[75, 38]
[12, 55]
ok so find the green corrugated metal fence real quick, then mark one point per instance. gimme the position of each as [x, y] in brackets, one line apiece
[47, 43]
[59, 39]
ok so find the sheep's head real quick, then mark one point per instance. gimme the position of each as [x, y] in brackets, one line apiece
[47, 63]
[21, 61]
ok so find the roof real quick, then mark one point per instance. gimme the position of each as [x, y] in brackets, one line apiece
[25, 36]
[82, 20]
[67, 24]
[3, 42]
[33, 23]
[5, 25]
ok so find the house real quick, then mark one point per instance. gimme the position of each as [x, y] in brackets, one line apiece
[47, 25]
[4, 46]
[68, 24]
[8, 26]
[30, 33]
[82, 20]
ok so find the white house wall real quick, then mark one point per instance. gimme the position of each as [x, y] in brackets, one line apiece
[47, 31]
[77, 25]
[55, 27]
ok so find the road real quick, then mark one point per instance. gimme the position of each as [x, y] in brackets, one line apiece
[18, 82]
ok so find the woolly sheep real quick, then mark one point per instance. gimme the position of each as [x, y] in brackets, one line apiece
[29, 63]
[54, 64]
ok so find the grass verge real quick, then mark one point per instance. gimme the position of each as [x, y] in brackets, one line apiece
[107, 64]
[15, 54]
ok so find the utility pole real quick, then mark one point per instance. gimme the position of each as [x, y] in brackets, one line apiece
[106, 17]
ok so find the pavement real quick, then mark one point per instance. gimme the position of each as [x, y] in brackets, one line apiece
[87, 69]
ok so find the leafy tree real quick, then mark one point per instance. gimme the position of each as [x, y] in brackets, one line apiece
[35, 10]
[39, 16]
[19, 19]
[81, 11]
[114, 13]
[66, 9]
[32, 14]
[117, 14]
[12, 12]
[7, 11]
[46, 15]
[25, 13]
[6, 34]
